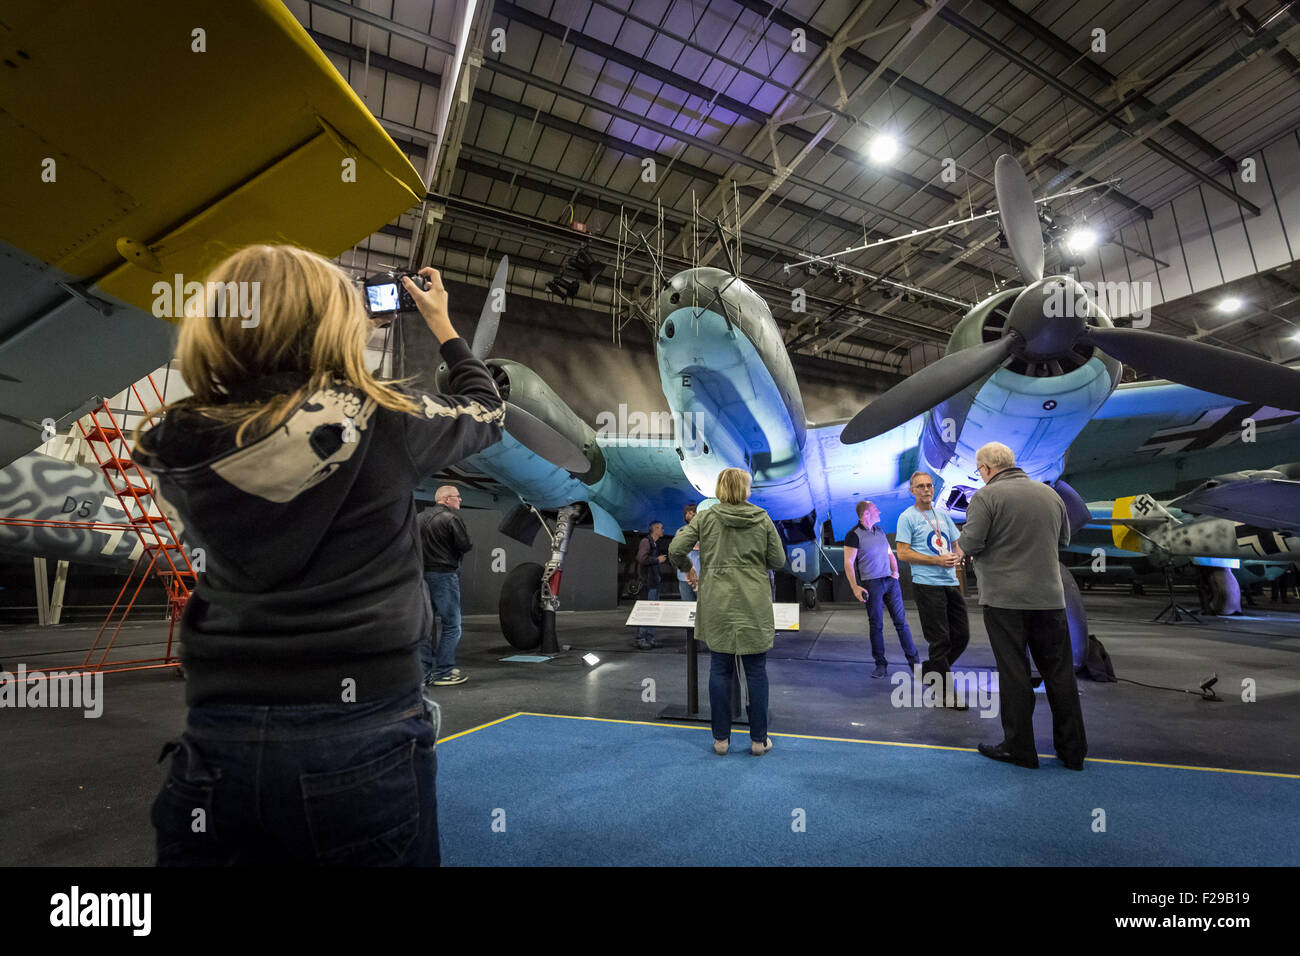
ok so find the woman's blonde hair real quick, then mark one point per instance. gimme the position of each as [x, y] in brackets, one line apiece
[733, 486]
[309, 320]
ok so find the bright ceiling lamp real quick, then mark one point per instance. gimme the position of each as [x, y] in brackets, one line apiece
[1080, 239]
[1229, 304]
[882, 148]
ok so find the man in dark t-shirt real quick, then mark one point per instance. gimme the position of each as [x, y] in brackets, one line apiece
[872, 570]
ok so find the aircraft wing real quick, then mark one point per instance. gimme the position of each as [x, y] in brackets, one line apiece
[1260, 501]
[146, 141]
[877, 469]
[642, 480]
[1162, 438]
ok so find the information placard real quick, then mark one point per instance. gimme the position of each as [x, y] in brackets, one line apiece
[682, 614]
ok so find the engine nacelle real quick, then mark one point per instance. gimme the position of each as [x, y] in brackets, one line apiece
[521, 386]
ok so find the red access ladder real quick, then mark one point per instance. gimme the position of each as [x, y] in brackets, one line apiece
[163, 553]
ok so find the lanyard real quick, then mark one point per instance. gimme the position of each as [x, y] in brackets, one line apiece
[936, 527]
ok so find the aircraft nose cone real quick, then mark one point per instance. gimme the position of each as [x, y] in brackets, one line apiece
[1049, 315]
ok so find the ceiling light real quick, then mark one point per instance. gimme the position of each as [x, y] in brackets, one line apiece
[1229, 304]
[1080, 239]
[882, 148]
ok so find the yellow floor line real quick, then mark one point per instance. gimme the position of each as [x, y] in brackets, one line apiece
[878, 743]
[499, 720]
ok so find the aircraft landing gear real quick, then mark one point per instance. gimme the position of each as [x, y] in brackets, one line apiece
[810, 596]
[530, 595]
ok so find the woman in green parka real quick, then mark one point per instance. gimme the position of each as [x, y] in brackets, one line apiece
[738, 546]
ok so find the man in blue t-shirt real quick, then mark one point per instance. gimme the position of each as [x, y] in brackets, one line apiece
[927, 541]
[872, 571]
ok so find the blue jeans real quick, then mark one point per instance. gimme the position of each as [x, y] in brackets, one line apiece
[884, 593]
[316, 785]
[444, 595]
[651, 594]
[722, 671]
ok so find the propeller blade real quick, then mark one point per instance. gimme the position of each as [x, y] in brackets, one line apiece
[925, 389]
[1202, 366]
[485, 333]
[541, 439]
[1019, 217]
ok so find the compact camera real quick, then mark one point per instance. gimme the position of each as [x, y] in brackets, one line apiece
[386, 296]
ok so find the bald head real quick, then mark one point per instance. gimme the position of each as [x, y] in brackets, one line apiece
[448, 495]
[996, 457]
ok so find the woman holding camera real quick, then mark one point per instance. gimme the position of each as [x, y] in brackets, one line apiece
[292, 467]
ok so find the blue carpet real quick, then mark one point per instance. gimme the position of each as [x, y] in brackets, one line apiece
[578, 792]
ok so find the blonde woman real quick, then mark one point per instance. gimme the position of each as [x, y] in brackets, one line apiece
[738, 546]
[293, 467]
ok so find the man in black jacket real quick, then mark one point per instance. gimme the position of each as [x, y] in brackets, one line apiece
[444, 541]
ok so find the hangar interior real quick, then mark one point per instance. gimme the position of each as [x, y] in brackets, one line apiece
[836, 164]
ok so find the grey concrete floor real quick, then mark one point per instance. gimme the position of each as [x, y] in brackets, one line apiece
[77, 791]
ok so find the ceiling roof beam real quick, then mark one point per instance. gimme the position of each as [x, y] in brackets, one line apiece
[912, 88]
[384, 23]
[1055, 82]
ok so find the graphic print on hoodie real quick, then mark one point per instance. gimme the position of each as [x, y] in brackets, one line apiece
[313, 574]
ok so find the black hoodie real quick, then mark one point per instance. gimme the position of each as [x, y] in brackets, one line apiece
[313, 574]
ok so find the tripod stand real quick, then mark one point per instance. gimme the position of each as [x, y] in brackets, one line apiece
[1173, 612]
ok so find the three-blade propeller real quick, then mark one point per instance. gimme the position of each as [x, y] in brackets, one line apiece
[1034, 335]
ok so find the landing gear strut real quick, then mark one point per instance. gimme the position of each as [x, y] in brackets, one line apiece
[530, 595]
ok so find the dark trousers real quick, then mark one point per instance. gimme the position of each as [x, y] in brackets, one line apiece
[1046, 635]
[722, 671]
[885, 594]
[944, 624]
[317, 785]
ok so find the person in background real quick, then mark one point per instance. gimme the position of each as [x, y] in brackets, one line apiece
[308, 740]
[927, 541]
[872, 570]
[738, 546]
[649, 559]
[685, 591]
[444, 542]
[1015, 528]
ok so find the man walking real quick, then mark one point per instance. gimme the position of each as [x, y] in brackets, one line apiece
[872, 571]
[444, 541]
[1014, 529]
[648, 559]
[927, 541]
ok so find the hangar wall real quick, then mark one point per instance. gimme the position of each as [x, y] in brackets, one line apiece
[1203, 238]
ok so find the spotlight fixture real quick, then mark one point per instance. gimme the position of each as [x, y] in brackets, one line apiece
[1080, 238]
[1207, 688]
[882, 148]
[563, 286]
[1229, 304]
[584, 265]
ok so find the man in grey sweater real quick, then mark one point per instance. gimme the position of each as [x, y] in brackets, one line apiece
[1014, 529]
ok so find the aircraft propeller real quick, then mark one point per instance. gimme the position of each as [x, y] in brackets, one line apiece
[1032, 334]
[524, 427]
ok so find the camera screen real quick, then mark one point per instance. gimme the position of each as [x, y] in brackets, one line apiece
[382, 297]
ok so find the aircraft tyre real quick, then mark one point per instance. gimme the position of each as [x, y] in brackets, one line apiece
[519, 607]
[810, 598]
[1225, 593]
